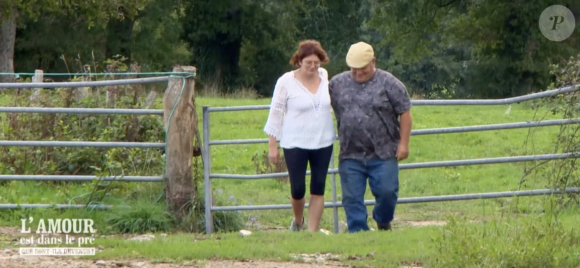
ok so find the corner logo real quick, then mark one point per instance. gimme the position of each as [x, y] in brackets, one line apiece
[59, 233]
[557, 23]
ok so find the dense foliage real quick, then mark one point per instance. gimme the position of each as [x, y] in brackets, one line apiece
[456, 48]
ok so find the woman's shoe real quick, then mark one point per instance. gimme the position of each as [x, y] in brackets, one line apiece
[295, 227]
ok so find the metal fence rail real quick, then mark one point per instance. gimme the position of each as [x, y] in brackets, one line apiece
[103, 83]
[452, 163]
[423, 199]
[59, 110]
[208, 175]
[58, 206]
[417, 132]
[52, 110]
[544, 94]
[94, 144]
[79, 178]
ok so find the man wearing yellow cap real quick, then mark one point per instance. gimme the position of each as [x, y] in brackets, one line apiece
[373, 113]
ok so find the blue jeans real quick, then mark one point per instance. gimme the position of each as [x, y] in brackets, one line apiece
[384, 184]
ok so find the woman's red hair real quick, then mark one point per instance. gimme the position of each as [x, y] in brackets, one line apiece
[307, 48]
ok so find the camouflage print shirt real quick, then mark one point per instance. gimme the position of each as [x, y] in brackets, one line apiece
[368, 114]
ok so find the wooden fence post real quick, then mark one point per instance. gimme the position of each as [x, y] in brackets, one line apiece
[37, 92]
[181, 129]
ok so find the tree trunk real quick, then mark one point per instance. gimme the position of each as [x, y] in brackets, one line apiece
[7, 40]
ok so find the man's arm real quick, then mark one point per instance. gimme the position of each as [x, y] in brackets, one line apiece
[399, 98]
[334, 102]
[406, 123]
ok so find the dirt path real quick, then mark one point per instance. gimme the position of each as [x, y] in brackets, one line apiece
[11, 259]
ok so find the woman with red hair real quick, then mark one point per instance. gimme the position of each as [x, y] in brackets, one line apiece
[300, 119]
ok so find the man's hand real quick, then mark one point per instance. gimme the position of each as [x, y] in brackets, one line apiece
[403, 148]
[402, 152]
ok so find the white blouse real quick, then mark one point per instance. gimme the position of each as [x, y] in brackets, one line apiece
[298, 118]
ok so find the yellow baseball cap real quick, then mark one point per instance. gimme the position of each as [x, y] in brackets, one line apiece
[359, 55]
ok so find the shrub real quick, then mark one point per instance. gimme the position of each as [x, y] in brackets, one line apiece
[78, 127]
[264, 166]
[142, 218]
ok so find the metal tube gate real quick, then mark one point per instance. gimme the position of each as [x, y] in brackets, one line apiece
[208, 176]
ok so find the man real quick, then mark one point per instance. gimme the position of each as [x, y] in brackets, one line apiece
[373, 112]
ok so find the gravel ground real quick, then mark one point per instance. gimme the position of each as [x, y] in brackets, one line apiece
[11, 258]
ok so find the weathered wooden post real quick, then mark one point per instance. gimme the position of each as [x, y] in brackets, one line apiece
[181, 128]
[112, 91]
[37, 92]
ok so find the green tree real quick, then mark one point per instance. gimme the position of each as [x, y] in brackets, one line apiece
[156, 44]
[335, 23]
[508, 55]
[268, 44]
[89, 14]
[214, 32]
[239, 42]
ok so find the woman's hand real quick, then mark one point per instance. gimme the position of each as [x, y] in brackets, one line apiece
[273, 154]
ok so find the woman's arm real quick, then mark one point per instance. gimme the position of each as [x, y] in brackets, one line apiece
[275, 120]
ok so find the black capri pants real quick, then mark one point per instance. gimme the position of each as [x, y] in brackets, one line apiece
[297, 160]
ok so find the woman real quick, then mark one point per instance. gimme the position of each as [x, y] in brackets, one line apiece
[300, 119]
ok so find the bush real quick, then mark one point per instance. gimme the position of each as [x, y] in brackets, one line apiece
[78, 127]
[264, 166]
[142, 218]
[533, 242]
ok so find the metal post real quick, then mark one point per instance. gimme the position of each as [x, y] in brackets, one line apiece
[334, 205]
[206, 172]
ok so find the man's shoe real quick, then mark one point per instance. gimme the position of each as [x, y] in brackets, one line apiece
[295, 227]
[384, 226]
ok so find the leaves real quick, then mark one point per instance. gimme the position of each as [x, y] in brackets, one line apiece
[441, 48]
[506, 53]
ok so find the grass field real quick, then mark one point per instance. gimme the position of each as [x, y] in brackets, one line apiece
[233, 159]
[405, 245]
